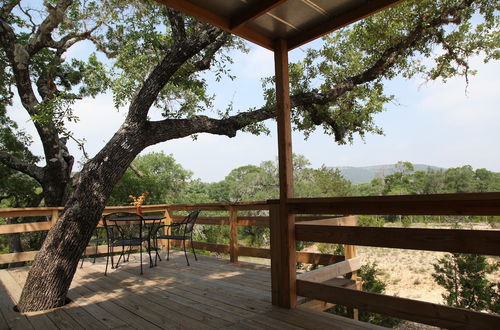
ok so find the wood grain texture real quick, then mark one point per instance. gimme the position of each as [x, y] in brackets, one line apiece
[25, 227]
[223, 23]
[485, 242]
[423, 312]
[256, 10]
[233, 235]
[332, 271]
[438, 204]
[335, 221]
[282, 223]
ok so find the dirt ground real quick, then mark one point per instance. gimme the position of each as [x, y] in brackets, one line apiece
[407, 273]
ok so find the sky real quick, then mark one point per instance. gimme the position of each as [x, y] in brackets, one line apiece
[441, 124]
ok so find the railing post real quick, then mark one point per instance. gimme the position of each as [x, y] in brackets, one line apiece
[54, 217]
[233, 234]
[349, 253]
[283, 258]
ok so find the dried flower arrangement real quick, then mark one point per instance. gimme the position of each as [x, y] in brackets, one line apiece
[138, 201]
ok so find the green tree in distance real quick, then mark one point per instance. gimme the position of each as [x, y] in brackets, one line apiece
[156, 173]
[156, 58]
[464, 276]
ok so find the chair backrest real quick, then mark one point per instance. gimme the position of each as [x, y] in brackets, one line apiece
[190, 220]
[117, 228]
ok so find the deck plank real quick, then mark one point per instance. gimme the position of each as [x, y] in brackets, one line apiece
[183, 314]
[124, 305]
[68, 316]
[170, 277]
[94, 305]
[13, 320]
[182, 302]
[209, 294]
[217, 289]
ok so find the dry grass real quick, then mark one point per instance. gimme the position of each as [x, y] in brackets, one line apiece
[407, 273]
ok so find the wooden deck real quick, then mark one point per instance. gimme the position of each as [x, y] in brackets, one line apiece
[210, 294]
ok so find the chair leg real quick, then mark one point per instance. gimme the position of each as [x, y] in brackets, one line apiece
[128, 254]
[107, 261]
[140, 253]
[155, 243]
[192, 248]
[120, 257]
[168, 249]
[96, 250]
[151, 264]
[157, 249]
[185, 253]
[110, 252]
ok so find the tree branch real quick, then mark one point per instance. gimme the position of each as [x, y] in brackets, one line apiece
[386, 61]
[102, 47]
[20, 165]
[19, 61]
[43, 34]
[168, 66]
[63, 44]
[177, 26]
[176, 128]
[137, 172]
[205, 62]
[8, 7]
[168, 129]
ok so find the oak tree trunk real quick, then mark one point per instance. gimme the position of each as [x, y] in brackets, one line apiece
[55, 264]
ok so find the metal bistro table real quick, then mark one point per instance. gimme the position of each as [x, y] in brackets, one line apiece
[129, 230]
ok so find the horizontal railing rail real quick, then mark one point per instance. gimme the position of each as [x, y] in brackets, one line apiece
[240, 220]
[438, 204]
[486, 242]
[409, 309]
[447, 240]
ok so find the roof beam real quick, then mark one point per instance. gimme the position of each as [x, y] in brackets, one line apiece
[252, 13]
[223, 23]
[371, 7]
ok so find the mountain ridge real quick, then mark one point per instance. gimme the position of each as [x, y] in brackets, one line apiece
[364, 174]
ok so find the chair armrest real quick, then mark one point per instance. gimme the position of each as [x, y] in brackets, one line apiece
[172, 225]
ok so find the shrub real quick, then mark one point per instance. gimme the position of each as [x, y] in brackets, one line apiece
[464, 278]
[371, 283]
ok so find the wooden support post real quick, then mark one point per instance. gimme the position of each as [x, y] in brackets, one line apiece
[54, 217]
[283, 254]
[233, 234]
[350, 253]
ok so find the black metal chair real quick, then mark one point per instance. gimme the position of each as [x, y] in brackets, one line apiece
[125, 230]
[181, 231]
[98, 236]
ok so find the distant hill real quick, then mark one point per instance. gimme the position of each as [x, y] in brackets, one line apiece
[365, 174]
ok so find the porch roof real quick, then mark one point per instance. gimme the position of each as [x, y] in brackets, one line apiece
[265, 21]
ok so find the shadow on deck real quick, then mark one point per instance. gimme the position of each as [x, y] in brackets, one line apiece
[210, 294]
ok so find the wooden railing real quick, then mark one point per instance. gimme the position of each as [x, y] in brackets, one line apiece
[486, 242]
[233, 220]
[285, 284]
